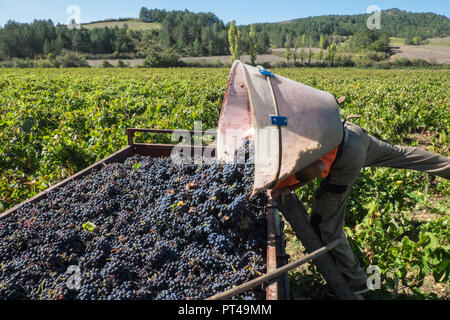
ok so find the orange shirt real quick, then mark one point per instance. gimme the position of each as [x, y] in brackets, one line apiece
[328, 159]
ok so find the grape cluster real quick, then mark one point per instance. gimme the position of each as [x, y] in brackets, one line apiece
[147, 228]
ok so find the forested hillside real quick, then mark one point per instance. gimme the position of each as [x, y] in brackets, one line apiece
[394, 22]
[186, 33]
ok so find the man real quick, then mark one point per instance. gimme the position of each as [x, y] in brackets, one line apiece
[340, 168]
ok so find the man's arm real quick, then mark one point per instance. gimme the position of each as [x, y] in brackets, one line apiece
[304, 177]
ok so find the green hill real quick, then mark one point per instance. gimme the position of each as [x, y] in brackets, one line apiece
[396, 23]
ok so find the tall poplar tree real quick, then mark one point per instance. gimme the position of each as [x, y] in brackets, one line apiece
[253, 44]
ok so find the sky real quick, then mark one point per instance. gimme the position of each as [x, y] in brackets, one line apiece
[243, 11]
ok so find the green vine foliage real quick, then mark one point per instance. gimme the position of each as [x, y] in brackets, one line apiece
[55, 122]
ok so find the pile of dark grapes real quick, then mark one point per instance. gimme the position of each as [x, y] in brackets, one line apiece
[143, 229]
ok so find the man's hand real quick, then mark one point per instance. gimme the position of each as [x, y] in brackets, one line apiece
[281, 193]
[305, 176]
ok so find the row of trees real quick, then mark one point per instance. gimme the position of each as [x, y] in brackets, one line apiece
[369, 40]
[184, 32]
[22, 40]
[303, 53]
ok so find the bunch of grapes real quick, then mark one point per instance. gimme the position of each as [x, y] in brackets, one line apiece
[143, 229]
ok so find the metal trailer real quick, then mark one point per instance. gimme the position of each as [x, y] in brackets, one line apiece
[276, 257]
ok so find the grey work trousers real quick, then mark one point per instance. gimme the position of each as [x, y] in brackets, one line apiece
[362, 150]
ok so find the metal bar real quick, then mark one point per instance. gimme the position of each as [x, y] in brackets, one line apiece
[282, 260]
[275, 274]
[271, 255]
[165, 150]
[165, 131]
[130, 135]
[169, 131]
[131, 132]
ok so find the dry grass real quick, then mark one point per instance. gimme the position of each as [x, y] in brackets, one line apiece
[440, 41]
[214, 60]
[132, 24]
[393, 41]
[430, 52]
[283, 50]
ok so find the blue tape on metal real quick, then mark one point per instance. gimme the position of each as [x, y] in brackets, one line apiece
[266, 73]
[279, 121]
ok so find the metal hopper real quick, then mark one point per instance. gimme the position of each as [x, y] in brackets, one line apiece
[292, 124]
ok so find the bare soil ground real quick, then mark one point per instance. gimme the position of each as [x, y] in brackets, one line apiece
[430, 52]
[283, 50]
[223, 60]
[438, 51]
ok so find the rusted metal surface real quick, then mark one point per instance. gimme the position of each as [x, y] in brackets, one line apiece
[132, 131]
[278, 289]
[165, 150]
[164, 131]
[236, 122]
[282, 260]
